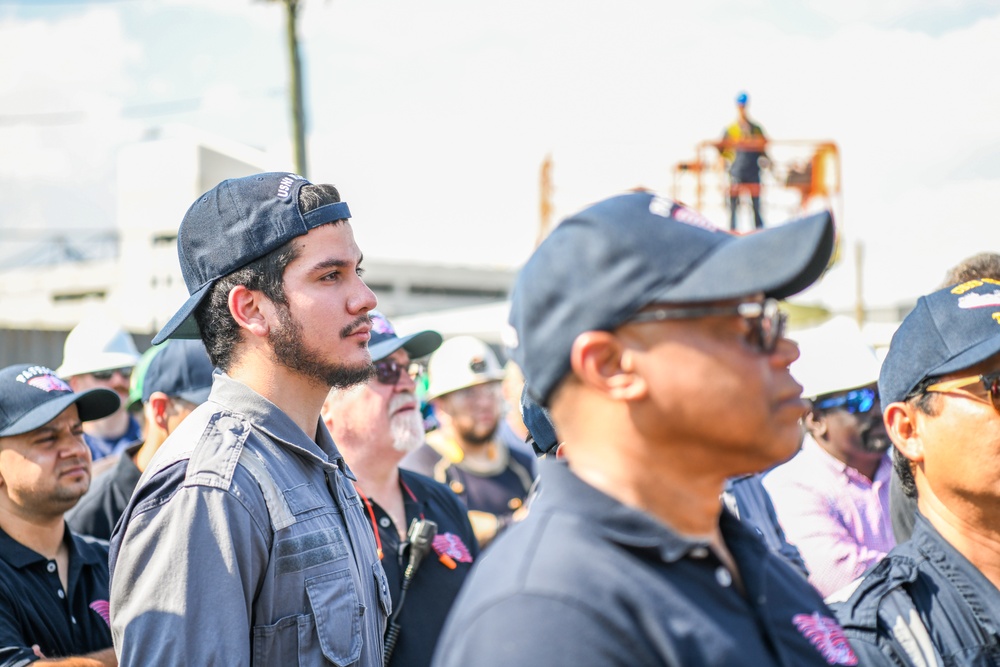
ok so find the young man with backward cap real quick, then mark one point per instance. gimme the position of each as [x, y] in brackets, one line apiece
[934, 600]
[655, 340]
[245, 541]
[53, 583]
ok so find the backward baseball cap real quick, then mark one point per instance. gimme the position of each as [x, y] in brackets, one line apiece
[602, 265]
[231, 225]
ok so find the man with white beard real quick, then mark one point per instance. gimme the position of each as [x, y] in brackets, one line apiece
[375, 425]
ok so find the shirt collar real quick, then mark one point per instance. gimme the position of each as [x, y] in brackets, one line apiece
[563, 492]
[269, 418]
[19, 556]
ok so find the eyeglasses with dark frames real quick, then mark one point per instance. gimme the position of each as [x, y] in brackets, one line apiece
[856, 402]
[990, 382]
[387, 371]
[126, 373]
[765, 319]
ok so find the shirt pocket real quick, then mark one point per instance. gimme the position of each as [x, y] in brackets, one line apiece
[281, 643]
[337, 612]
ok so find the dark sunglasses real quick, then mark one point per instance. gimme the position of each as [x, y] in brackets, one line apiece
[765, 320]
[990, 381]
[857, 402]
[387, 371]
[107, 375]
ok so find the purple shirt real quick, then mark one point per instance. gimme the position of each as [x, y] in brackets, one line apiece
[837, 517]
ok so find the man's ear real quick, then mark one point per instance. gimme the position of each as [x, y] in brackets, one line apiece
[158, 403]
[902, 423]
[815, 424]
[601, 362]
[250, 309]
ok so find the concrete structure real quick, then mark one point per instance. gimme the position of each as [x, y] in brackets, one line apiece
[142, 286]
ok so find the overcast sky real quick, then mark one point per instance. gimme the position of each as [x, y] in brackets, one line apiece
[434, 116]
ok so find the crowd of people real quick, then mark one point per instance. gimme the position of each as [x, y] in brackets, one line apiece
[660, 474]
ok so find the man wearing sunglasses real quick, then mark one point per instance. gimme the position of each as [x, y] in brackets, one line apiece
[655, 340]
[934, 599]
[98, 354]
[375, 425]
[832, 498]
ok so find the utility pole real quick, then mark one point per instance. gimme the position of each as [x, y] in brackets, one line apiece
[295, 86]
[545, 200]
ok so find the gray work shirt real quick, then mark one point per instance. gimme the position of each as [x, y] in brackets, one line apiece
[245, 543]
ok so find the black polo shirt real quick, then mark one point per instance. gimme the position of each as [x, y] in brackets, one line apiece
[34, 609]
[100, 508]
[435, 584]
[586, 580]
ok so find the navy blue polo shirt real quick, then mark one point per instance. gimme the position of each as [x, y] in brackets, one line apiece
[34, 609]
[586, 580]
[100, 508]
[435, 584]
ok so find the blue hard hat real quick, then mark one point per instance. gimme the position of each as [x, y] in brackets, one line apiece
[741, 99]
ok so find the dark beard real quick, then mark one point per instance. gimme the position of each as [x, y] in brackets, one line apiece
[288, 350]
[474, 438]
[874, 441]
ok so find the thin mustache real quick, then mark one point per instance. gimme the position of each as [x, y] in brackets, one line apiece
[360, 322]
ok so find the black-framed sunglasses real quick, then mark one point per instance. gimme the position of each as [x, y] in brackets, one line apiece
[990, 382]
[107, 375]
[387, 371]
[765, 320]
[856, 402]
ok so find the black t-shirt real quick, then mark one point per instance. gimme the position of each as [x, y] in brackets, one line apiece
[500, 493]
[435, 584]
[34, 609]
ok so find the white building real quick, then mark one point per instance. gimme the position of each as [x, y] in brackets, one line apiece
[141, 286]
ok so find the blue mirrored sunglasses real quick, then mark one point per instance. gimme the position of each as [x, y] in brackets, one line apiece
[856, 402]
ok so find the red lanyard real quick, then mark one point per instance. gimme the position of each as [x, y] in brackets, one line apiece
[371, 515]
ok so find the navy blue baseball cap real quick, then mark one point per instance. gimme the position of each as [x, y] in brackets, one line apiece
[31, 396]
[384, 340]
[539, 424]
[602, 265]
[948, 330]
[231, 225]
[180, 368]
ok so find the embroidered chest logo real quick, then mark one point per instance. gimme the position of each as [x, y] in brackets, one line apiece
[451, 545]
[103, 609]
[827, 636]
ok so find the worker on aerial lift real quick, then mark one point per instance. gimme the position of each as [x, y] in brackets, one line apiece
[743, 148]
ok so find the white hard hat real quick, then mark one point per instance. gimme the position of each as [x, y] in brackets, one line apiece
[97, 345]
[460, 362]
[833, 357]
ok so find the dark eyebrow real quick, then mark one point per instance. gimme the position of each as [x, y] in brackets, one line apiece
[333, 263]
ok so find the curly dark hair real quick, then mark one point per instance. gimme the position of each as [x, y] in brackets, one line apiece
[219, 331]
